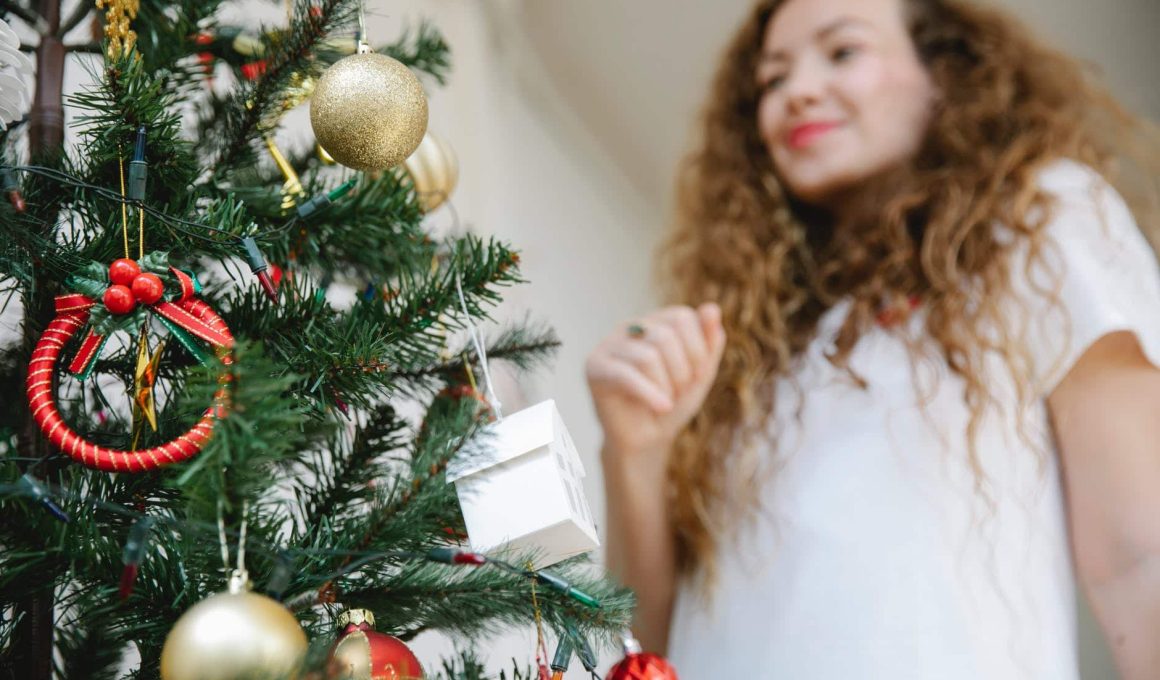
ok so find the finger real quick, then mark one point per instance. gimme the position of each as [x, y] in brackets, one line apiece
[647, 358]
[712, 328]
[629, 380]
[687, 325]
[665, 338]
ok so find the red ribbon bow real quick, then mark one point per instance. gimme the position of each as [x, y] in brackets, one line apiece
[181, 312]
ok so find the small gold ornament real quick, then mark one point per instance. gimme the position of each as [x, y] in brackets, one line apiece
[118, 13]
[292, 189]
[434, 170]
[233, 635]
[324, 155]
[369, 111]
[144, 378]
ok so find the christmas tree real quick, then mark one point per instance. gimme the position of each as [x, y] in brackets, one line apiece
[187, 406]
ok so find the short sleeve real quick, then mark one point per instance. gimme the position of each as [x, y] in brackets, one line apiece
[1104, 271]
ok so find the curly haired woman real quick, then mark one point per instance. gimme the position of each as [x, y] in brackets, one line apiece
[938, 403]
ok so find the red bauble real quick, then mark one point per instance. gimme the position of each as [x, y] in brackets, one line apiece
[638, 665]
[643, 666]
[147, 288]
[123, 271]
[363, 654]
[119, 299]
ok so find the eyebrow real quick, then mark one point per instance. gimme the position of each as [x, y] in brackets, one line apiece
[832, 27]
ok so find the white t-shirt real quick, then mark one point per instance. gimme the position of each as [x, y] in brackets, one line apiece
[875, 554]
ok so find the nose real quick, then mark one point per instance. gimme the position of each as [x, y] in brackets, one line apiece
[804, 86]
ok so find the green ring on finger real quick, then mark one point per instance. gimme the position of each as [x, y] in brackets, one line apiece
[635, 331]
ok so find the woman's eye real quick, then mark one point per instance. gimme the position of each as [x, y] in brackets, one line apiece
[773, 83]
[843, 53]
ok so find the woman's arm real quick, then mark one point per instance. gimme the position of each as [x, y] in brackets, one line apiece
[640, 544]
[1106, 414]
[648, 379]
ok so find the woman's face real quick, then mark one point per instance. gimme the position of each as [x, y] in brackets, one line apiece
[844, 96]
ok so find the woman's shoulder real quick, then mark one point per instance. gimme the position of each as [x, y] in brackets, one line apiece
[1094, 272]
[1084, 205]
[1066, 175]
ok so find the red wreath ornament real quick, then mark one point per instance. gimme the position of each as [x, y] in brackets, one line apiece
[184, 315]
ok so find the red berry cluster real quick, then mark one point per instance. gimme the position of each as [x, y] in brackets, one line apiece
[130, 286]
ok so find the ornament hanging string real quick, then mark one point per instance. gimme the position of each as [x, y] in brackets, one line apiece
[125, 215]
[361, 38]
[242, 537]
[224, 542]
[140, 233]
[470, 374]
[124, 205]
[480, 350]
[541, 645]
[473, 332]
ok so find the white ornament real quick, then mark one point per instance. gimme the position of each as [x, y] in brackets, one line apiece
[528, 495]
[14, 97]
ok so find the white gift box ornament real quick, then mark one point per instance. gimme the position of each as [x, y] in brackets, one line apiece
[526, 493]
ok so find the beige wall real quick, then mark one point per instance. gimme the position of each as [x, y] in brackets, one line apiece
[1117, 37]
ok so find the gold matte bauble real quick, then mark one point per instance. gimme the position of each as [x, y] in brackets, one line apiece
[369, 111]
[233, 635]
[434, 171]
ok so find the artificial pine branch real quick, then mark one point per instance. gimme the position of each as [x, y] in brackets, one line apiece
[522, 346]
[340, 479]
[481, 601]
[250, 113]
[423, 51]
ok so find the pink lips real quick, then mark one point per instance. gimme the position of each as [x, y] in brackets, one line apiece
[803, 135]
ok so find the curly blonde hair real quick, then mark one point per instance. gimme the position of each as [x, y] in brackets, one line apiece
[1009, 106]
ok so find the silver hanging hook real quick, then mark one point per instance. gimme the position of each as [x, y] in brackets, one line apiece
[361, 44]
[221, 522]
[238, 579]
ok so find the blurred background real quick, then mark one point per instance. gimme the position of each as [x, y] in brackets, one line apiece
[569, 118]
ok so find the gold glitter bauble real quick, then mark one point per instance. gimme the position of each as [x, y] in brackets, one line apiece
[369, 111]
[434, 171]
[232, 635]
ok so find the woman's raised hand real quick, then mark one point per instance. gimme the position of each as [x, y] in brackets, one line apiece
[651, 376]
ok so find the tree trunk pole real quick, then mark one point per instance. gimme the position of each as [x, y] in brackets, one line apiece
[46, 121]
[30, 655]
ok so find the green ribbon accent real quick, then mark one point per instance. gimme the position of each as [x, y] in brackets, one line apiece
[203, 357]
[196, 281]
